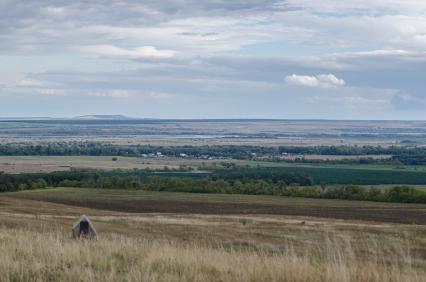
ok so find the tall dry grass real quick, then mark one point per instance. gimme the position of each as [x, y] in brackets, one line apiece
[27, 255]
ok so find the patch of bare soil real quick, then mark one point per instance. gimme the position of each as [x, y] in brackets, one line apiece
[406, 216]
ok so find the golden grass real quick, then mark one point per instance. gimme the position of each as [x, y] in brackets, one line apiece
[48, 255]
[36, 245]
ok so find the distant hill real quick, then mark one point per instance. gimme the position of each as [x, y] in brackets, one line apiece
[97, 117]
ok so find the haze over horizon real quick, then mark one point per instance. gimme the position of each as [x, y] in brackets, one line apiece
[305, 59]
[124, 117]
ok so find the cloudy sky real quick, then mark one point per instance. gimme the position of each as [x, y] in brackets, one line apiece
[352, 59]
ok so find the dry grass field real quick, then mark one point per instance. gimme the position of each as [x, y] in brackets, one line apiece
[35, 164]
[53, 256]
[203, 141]
[36, 244]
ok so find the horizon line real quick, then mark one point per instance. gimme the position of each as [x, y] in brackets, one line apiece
[123, 118]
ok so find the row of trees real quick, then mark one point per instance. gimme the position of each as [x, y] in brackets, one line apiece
[234, 182]
[103, 149]
[392, 160]
[140, 179]
[399, 194]
[401, 154]
[346, 150]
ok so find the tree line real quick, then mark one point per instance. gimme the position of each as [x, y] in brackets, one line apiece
[241, 181]
[403, 154]
[105, 149]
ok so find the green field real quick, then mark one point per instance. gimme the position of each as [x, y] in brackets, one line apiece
[350, 173]
[345, 166]
[338, 175]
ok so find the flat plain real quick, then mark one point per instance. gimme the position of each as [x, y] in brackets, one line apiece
[33, 164]
[170, 236]
[215, 132]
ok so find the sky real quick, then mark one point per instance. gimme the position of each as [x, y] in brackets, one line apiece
[306, 59]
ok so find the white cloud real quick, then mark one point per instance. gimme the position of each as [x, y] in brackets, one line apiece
[204, 48]
[116, 93]
[140, 52]
[155, 95]
[55, 11]
[30, 83]
[322, 80]
[200, 27]
[404, 101]
[119, 94]
[122, 93]
[50, 92]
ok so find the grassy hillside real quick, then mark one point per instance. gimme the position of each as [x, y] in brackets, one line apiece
[235, 244]
[117, 258]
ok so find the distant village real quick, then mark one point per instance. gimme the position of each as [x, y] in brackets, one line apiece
[283, 155]
[181, 155]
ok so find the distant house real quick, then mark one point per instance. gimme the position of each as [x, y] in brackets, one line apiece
[84, 228]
